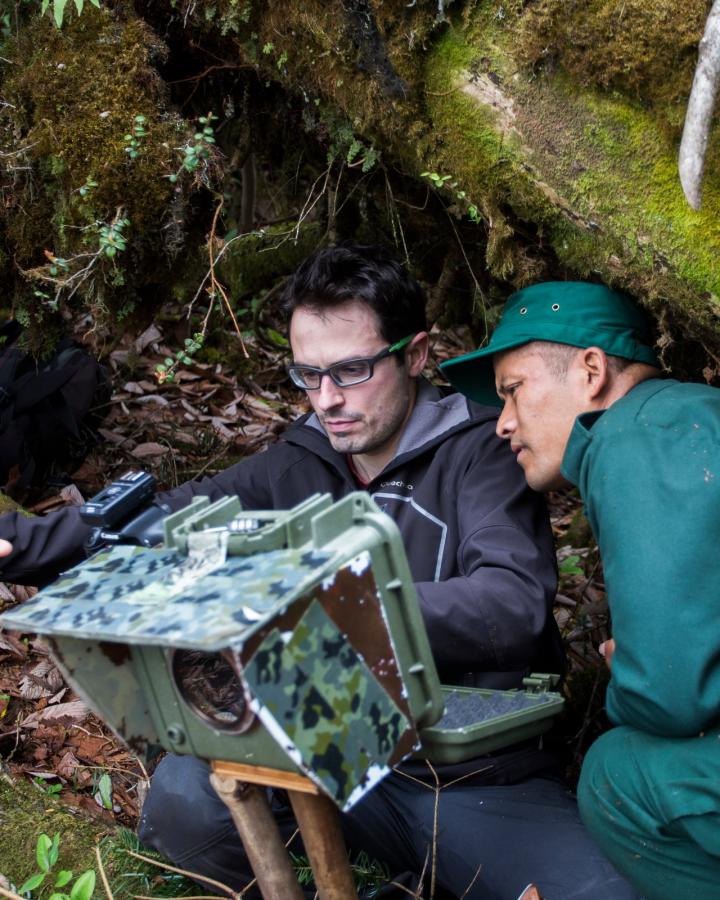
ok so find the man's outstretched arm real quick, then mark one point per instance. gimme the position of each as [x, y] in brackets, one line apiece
[42, 546]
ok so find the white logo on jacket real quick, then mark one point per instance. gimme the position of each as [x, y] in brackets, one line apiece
[379, 496]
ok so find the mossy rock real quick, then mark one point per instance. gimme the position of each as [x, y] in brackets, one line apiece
[572, 166]
[595, 174]
[254, 261]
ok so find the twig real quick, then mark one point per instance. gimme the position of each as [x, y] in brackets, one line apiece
[453, 90]
[406, 889]
[474, 879]
[191, 897]
[436, 812]
[19, 150]
[395, 220]
[252, 883]
[215, 285]
[224, 247]
[307, 209]
[207, 71]
[698, 118]
[10, 895]
[468, 775]
[103, 877]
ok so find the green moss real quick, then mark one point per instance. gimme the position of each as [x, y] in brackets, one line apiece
[27, 812]
[72, 96]
[629, 46]
[596, 175]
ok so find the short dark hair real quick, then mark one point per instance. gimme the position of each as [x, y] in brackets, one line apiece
[367, 272]
[558, 357]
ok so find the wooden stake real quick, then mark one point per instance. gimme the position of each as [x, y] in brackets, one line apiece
[261, 838]
[319, 825]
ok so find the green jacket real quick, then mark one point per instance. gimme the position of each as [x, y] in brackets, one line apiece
[648, 469]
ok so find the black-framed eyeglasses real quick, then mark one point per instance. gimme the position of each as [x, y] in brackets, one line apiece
[344, 374]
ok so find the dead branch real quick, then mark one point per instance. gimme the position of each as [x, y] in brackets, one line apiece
[698, 118]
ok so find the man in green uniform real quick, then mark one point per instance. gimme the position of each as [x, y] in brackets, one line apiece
[583, 404]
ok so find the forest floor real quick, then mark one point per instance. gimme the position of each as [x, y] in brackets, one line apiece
[61, 767]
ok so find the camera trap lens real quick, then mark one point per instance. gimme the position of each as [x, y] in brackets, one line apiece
[213, 689]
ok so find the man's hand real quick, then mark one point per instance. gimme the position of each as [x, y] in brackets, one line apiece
[606, 649]
[5, 548]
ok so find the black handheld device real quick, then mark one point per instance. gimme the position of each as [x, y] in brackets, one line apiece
[124, 513]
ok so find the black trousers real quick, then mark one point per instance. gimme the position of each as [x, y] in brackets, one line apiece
[490, 841]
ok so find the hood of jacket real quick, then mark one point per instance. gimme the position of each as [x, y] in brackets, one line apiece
[434, 417]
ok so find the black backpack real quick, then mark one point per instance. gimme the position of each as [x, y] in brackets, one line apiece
[49, 410]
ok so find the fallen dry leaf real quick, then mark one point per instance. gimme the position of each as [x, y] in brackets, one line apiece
[71, 495]
[153, 399]
[151, 335]
[68, 765]
[43, 680]
[151, 448]
[69, 713]
[89, 747]
[13, 645]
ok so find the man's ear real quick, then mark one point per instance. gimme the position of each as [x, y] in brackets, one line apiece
[595, 372]
[416, 353]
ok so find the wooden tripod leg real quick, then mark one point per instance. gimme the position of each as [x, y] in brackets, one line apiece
[319, 825]
[261, 838]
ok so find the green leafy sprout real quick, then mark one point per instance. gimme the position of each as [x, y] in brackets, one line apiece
[133, 141]
[47, 852]
[112, 237]
[447, 182]
[104, 791]
[197, 151]
[88, 187]
[569, 567]
[165, 371]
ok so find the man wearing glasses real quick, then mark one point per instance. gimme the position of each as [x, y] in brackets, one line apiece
[480, 549]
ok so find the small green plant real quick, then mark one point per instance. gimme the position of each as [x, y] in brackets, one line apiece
[112, 236]
[134, 140]
[51, 789]
[447, 182]
[103, 791]
[569, 567]
[280, 61]
[47, 852]
[368, 874]
[346, 145]
[165, 371]
[198, 151]
[58, 265]
[88, 187]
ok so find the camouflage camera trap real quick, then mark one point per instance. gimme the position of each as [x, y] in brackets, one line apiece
[290, 640]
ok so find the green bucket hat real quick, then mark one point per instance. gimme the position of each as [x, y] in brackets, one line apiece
[564, 312]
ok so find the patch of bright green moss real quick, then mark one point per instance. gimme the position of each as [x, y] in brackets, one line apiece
[26, 812]
[596, 174]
